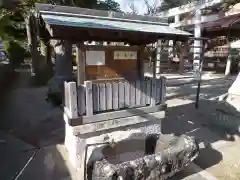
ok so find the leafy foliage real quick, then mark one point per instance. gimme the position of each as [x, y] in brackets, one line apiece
[100, 5]
[15, 52]
[12, 15]
[168, 4]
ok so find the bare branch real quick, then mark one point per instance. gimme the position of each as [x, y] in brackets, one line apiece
[133, 8]
[151, 8]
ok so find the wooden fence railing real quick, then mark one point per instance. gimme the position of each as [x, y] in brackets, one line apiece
[70, 99]
[104, 96]
[110, 95]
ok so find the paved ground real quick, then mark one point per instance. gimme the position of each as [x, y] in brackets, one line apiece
[220, 159]
[49, 162]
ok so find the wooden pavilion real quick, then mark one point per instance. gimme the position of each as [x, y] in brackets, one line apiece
[110, 93]
[117, 95]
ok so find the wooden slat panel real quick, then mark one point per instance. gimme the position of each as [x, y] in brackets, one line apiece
[144, 92]
[73, 109]
[132, 94]
[115, 96]
[95, 98]
[158, 91]
[138, 93]
[153, 93]
[81, 100]
[109, 96]
[102, 97]
[148, 88]
[89, 98]
[127, 93]
[121, 95]
[66, 97]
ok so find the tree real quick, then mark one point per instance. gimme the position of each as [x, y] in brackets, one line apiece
[108, 5]
[151, 8]
[12, 33]
[132, 7]
[168, 4]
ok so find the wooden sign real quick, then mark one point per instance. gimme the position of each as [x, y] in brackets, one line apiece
[128, 55]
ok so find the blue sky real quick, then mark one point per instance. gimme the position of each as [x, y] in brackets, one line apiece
[139, 4]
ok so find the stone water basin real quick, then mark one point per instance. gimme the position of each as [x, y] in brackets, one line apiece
[153, 158]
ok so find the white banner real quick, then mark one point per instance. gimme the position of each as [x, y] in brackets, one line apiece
[95, 58]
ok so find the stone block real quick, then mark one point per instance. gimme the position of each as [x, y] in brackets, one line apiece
[85, 143]
[234, 89]
[170, 156]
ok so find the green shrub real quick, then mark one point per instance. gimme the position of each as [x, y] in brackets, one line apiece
[15, 52]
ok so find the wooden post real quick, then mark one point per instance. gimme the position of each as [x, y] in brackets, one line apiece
[81, 77]
[89, 98]
[81, 63]
[32, 41]
[66, 93]
[182, 57]
[73, 100]
[141, 61]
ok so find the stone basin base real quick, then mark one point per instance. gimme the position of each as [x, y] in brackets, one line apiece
[159, 158]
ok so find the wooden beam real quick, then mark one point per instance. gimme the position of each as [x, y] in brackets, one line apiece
[143, 111]
[81, 63]
[81, 34]
[119, 122]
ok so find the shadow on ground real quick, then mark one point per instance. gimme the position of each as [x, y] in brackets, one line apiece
[27, 116]
[47, 130]
[185, 119]
[209, 88]
[201, 124]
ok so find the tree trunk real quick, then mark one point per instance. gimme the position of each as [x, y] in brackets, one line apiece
[64, 57]
[32, 42]
[63, 71]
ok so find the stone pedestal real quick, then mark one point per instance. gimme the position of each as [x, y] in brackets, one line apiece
[224, 114]
[170, 156]
[127, 143]
[89, 139]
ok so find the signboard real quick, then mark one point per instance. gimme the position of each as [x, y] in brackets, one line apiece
[128, 55]
[95, 58]
[197, 69]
